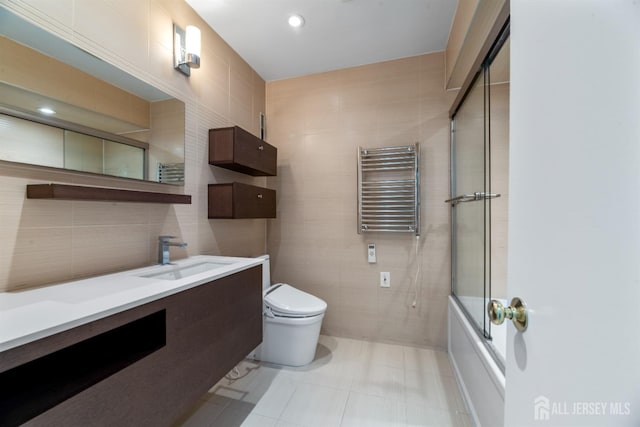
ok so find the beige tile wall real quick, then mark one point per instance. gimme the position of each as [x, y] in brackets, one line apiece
[500, 90]
[500, 185]
[51, 241]
[54, 79]
[317, 122]
[30, 142]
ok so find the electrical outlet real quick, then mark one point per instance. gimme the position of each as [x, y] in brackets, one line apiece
[385, 279]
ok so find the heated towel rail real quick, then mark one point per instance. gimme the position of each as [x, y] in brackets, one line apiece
[171, 172]
[388, 189]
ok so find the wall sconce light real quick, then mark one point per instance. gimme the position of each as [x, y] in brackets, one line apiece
[186, 49]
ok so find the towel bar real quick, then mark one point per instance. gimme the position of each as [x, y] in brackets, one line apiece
[388, 189]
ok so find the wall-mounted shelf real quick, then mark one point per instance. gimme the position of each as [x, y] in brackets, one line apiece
[236, 149]
[77, 192]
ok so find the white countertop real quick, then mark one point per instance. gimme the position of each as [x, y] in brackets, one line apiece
[32, 314]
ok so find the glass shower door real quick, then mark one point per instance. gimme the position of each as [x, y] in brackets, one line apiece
[480, 142]
[470, 207]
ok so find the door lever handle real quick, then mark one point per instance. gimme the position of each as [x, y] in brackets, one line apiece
[517, 312]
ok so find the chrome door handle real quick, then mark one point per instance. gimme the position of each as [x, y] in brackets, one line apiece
[517, 312]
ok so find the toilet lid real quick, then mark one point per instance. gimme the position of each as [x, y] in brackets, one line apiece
[287, 300]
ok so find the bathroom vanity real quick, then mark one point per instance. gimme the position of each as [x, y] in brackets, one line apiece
[133, 348]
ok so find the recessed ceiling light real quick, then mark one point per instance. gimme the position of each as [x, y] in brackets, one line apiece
[296, 21]
[45, 110]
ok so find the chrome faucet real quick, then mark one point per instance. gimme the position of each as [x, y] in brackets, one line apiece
[163, 248]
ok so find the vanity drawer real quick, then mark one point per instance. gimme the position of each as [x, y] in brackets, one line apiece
[236, 200]
[236, 149]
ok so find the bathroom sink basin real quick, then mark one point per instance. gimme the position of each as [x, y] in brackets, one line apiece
[179, 272]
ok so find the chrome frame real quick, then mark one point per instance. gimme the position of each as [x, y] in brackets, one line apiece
[484, 196]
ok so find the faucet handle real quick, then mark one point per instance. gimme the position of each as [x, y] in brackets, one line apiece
[166, 238]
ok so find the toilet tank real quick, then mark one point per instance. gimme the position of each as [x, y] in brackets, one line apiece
[266, 272]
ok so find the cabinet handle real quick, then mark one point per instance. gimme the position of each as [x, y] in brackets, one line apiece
[259, 196]
[261, 147]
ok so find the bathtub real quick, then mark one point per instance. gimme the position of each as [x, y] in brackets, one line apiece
[498, 333]
[479, 377]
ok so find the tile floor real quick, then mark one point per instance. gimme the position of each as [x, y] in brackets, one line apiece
[350, 383]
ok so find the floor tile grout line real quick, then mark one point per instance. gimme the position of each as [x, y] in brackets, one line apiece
[284, 407]
[444, 400]
[344, 409]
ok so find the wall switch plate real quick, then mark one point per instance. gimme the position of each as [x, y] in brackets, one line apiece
[371, 253]
[385, 279]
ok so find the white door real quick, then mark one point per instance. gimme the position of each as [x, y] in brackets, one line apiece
[574, 213]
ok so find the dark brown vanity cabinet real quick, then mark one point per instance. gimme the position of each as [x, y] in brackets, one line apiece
[145, 366]
[236, 200]
[238, 150]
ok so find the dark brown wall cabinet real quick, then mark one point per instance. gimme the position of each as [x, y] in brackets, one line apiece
[236, 149]
[236, 200]
[145, 366]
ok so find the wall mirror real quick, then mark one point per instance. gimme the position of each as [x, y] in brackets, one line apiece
[63, 107]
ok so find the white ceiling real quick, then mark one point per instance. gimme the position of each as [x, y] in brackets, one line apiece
[336, 34]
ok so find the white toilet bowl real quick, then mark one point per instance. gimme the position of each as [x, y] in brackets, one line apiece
[291, 323]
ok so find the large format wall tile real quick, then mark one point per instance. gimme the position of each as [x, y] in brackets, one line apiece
[317, 122]
[51, 241]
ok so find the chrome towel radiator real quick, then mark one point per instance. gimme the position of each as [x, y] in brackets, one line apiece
[388, 189]
[171, 172]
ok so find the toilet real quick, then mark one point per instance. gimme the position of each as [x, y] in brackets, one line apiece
[291, 322]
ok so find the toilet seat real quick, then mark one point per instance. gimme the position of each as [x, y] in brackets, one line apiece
[282, 300]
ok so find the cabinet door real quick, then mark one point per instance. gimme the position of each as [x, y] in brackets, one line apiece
[253, 202]
[236, 149]
[236, 200]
